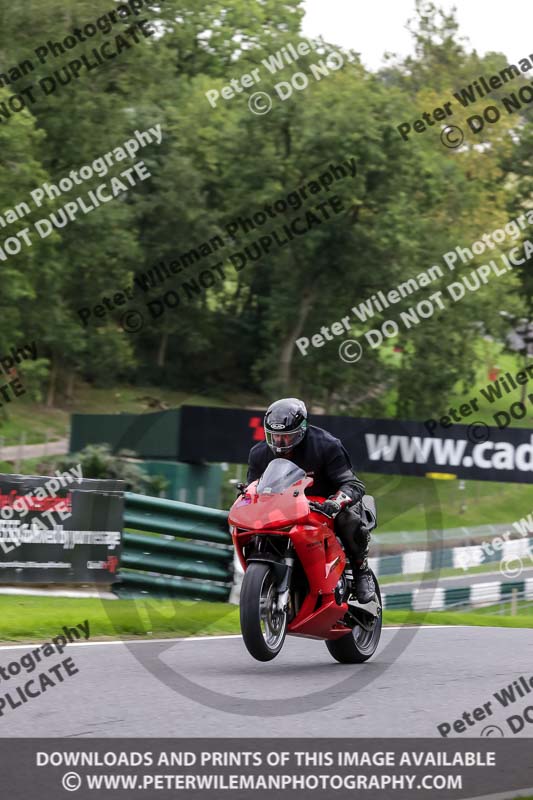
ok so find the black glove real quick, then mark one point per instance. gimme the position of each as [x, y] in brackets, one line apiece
[334, 504]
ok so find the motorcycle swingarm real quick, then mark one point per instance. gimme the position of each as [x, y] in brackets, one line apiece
[281, 571]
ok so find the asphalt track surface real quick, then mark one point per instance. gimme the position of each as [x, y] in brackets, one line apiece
[419, 678]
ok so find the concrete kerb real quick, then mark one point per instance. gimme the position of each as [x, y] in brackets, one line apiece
[359, 677]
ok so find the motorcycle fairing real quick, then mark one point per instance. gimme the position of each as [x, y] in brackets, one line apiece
[316, 546]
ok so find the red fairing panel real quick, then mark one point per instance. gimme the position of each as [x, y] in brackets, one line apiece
[257, 512]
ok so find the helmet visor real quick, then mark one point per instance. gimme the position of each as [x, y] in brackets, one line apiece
[285, 441]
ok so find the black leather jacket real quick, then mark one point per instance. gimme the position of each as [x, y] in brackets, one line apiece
[318, 452]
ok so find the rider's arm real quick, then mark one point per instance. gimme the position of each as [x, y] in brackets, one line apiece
[340, 472]
[255, 469]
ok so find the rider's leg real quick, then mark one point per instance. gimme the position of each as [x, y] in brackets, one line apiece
[355, 539]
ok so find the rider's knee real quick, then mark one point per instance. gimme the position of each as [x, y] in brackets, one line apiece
[346, 522]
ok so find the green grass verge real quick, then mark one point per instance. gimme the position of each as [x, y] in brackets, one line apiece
[523, 608]
[407, 503]
[34, 419]
[474, 618]
[37, 619]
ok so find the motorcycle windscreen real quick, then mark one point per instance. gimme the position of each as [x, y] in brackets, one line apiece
[278, 500]
[279, 476]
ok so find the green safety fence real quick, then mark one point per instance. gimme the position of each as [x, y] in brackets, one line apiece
[174, 549]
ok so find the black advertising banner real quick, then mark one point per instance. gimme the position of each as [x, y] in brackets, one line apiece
[60, 529]
[474, 452]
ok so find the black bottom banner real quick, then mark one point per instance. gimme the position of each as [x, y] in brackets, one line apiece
[282, 768]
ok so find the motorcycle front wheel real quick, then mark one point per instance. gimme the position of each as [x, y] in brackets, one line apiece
[263, 627]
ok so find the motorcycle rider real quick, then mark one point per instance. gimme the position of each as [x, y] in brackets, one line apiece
[288, 435]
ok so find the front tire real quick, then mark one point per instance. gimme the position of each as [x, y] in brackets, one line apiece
[263, 627]
[359, 645]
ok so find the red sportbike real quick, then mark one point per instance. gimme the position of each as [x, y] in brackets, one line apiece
[297, 578]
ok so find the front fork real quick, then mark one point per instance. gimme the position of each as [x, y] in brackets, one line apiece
[284, 587]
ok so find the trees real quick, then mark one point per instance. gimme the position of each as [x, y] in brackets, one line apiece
[408, 203]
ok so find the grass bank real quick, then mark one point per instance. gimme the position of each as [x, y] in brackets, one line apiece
[37, 619]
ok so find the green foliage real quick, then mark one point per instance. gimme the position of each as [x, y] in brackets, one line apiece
[34, 376]
[97, 461]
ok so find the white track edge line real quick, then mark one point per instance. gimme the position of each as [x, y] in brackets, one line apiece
[216, 638]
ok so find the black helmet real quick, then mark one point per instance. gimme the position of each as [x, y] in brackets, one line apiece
[285, 424]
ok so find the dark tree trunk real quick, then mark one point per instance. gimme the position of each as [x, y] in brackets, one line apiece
[50, 399]
[162, 352]
[71, 377]
[287, 349]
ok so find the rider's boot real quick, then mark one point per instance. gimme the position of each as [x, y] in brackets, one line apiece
[364, 587]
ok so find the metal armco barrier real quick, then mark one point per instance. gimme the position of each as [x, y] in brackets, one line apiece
[152, 563]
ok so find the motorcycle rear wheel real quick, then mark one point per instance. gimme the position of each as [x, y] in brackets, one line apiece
[263, 628]
[359, 645]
